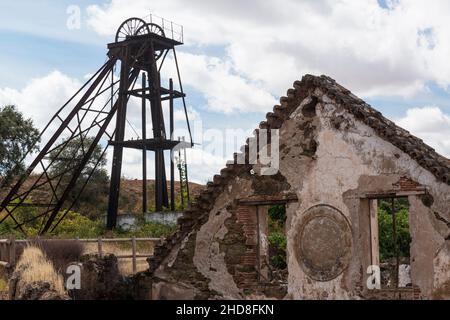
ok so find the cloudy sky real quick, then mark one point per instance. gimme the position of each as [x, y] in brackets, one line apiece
[240, 56]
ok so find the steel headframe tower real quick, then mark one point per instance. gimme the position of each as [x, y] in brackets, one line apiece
[149, 47]
[140, 49]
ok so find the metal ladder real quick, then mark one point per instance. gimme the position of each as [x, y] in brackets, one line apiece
[184, 181]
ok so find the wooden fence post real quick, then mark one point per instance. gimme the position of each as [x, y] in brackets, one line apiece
[100, 247]
[133, 249]
[12, 251]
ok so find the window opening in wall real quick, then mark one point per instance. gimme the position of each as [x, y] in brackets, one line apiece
[273, 243]
[394, 241]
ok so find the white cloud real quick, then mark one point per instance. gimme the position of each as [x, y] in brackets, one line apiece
[373, 50]
[180, 116]
[224, 89]
[41, 97]
[430, 124]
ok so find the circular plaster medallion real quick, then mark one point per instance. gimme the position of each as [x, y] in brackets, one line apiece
[324, 243]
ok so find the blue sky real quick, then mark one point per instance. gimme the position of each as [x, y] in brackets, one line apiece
[239, 58]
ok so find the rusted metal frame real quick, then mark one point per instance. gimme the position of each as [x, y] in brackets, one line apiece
[70, 129]
[81, 136]
[144, 149]
[181, 178]
[103, 91]
[60, 176]
[163, 91]
[34, 205]
[158, 131]
[81, 166]
[186, 175]
[50, 183]
[172, 164]
[121, 104]
[37, 186]
[81, 191]
[34, 218]
[22, 197]
[96, 111]
[163, 59]
[97, 94]
[10, 215]
[102, 130]
[174, 97]
[26, 174]
[56, 135]
[45, 173]
[84, 131]
[183, 98]
[86, 110]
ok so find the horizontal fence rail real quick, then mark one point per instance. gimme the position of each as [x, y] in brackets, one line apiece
[8, 248]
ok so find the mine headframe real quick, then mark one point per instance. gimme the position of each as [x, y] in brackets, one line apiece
[97, 115]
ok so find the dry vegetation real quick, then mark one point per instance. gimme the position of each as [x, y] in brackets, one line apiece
[130, 196]
[3, 288]
[35, 267]
[119, 249]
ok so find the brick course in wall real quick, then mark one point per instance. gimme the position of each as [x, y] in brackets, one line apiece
[247, 276]
[406, 184]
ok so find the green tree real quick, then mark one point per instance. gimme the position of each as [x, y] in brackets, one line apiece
[17, 136]
[277, 237]
[385, 225]
[92, 200]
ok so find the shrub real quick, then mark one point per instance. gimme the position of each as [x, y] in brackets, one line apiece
[76, 225]
[278, 213]
[385, 225]
[277, 238]
[144, 229]
[60, 252]
[277, 250]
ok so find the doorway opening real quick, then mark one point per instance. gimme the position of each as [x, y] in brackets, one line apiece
[391, 241]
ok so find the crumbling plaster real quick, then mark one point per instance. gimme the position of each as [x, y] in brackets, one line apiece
[344, 158]
[208, 258]
[329, 157]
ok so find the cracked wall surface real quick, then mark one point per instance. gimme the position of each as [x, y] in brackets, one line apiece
[332, 155]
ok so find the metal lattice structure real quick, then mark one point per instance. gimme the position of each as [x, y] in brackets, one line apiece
[97, 115]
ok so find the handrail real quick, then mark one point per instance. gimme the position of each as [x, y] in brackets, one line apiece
[171, 29]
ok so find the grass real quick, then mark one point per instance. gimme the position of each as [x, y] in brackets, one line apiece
[34, 267]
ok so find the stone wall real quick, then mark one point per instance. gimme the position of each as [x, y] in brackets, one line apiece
[336, 153]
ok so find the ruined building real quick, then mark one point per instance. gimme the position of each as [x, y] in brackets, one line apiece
[338, 158]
